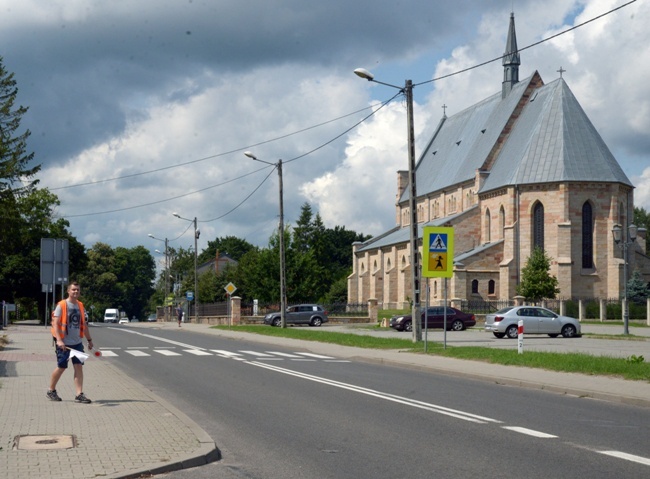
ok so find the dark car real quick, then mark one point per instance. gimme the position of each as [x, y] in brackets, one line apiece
[311, 314]
[456, 319]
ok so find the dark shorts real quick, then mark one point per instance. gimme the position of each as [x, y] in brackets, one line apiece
[63, 355]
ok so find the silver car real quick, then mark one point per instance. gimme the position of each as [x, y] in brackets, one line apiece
[536, 320]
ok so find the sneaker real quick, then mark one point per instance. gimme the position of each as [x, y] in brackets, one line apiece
[82, 399]
[52, 395]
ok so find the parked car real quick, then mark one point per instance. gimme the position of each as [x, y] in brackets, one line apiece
[311, 314]
[537, 320]
[152, 318]
[123, 321]
[456, 319]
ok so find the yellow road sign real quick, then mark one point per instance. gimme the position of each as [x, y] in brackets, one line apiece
[438, 252]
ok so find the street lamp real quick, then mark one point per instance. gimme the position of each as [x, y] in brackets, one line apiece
[283, 288]
[166, 272]
[617, 232]
[197, 233]
[415, 260]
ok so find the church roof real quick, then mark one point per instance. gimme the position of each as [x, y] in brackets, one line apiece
[463, 141]
[399, 235]
[554, 141]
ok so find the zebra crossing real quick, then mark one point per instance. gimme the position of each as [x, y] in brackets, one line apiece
[241, 355]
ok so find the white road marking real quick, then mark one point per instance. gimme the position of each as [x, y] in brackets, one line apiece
[389, 397]
[317, 356]
[167, 352]
[284, 355]
[197, 352]
[257, 353]
[108, 354]
[228, 354]
[529, 432]
[136, 352]
[628, 457]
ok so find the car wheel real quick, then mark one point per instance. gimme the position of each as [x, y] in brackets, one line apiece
[316, 322]
[276, 322]
[499, 335]
[457, 325]
[553, 335]
[513, 331]
[569, 331]
[408, 326]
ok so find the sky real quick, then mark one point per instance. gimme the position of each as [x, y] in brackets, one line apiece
[138, 110]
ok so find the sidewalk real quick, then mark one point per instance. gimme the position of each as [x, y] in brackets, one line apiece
[125, 432]
[128, 431]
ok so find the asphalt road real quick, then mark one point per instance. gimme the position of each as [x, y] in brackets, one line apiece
[279, 413]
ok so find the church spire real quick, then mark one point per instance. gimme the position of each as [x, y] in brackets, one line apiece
[511, 60]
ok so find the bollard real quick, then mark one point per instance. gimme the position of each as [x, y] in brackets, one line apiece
[520, 337]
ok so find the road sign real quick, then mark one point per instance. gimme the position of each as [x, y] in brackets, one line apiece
[54, 261]
[230, 288]
[438, 252]
[189, 295]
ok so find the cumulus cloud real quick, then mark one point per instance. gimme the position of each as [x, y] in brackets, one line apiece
[167, 95]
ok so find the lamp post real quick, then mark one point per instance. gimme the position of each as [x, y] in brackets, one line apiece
[617, 232]
[197, 233]
[283, 287]
[415, 260]
[166, 272]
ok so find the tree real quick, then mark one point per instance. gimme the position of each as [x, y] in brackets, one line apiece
[15, 175]
[536, 281]
[235, 247]
[637, 289]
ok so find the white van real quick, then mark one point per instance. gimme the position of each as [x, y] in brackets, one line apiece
[111, 315]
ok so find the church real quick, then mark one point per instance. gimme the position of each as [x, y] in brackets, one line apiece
[523, 168]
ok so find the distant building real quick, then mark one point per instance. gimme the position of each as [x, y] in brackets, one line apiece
[217, 264]
[522, 168]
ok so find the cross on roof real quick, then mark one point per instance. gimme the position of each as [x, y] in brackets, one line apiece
[560, 71]
[444, 110]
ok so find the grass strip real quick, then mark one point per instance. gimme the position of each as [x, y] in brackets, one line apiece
[632, 368]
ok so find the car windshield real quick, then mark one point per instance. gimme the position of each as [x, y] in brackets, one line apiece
[504, 310]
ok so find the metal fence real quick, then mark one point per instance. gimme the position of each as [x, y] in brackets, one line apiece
[484, 306]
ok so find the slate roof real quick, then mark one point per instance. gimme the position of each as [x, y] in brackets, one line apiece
[554, 141]
[463, 141]
[400, 235]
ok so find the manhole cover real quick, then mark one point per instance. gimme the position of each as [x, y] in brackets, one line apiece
[35, 443]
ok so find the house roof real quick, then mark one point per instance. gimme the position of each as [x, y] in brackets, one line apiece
[554, 141]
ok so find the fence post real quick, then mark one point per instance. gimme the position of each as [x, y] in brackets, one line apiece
[603, 310]
[562, 307]
[235, 309]
[373, 313]
[647, 312]
[581, 310]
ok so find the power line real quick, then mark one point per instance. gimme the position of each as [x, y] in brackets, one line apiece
[383, 104]
[217, 155]
[526, 47]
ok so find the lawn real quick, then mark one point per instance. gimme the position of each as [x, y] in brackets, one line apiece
[631, 368]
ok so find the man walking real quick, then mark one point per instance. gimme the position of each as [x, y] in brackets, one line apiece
[68, 329]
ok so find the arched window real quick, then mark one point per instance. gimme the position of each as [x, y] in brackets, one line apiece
[475, 286]
[488, 228]
[587, 236]
[538, 225]
[491, 286]
[502, 222]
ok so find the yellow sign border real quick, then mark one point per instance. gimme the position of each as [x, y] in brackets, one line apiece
[447, 260]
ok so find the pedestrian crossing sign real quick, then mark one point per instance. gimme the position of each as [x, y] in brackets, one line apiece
[438, 252]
